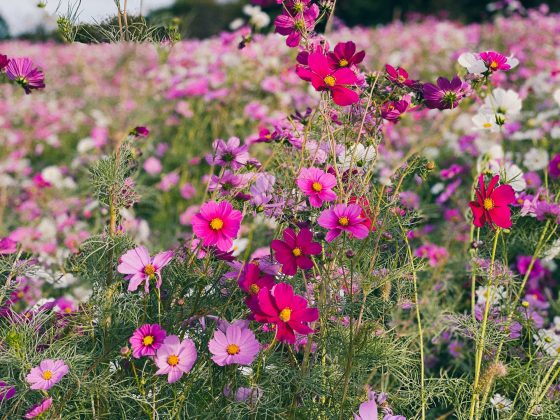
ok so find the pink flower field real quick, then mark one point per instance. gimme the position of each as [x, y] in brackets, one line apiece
[290, 220]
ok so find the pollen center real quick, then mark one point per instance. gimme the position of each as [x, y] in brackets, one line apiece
[285, 314]
[494, 65]
[401, 78]
[296, 252]
[254, 289]
[232, 349]
[343, 62]
[47, 374]
[149, 270]
[216, 223]
[487, 125]
[330, 81]
[317, 186]
[173, 360]
[343, 221]
[148, 340]
[488, 204]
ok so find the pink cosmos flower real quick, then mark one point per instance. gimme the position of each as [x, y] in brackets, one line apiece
[175, 357]
[342, 218]
[435, 254]
[317, 185]
[345, 55]
[495, 61]
[39, 409]
[492, 203]
[367, 411]
[152, 165]
[217, 224]
[393, 110]
[140, 267]
[554, 167]
[447, 94]
[146, 340]
[287, 310]
[294, 251]
[398, 75]
[229, 154]
[251, 281]
[324, 78]
[47, 374]
[21, 71]
[7, 246]
[4, 60]
[297, 25]
[236, 346]
[6, 391]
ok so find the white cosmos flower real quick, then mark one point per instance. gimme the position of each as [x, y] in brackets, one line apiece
[556, 96]
[472, 62]
[357, 155]
[548, 341]
[536, 159]
[504, 102]
[485, 120]
[509, 173]
[497, 294]
[239, 245]
[501, 403]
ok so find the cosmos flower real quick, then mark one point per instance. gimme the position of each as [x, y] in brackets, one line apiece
[287, 310]
[553, 167]
[39, 409]
[21, 71]
[217, 224]
[398, 75]
[251, 281]
[357, 155]
[175, 357]
[140, 267]
[486, 62]
[294, 251]
[367, 411]
[317, 185]
[342, 218]
[234, 346]
[492, 203]
[7, 246]
[146, 340]
[229, 153]
[447, 94]
[4, 60]
[6, 391]
[324, 78]
[345, 55]
[501, 403]
[297, 25]
[47, 374]
[392, 110]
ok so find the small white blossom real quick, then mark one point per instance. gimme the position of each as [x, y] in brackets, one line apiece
[501, 403]
[495, 293]
[472, 62]
[357, 155]
[509, 173]
[536, 159]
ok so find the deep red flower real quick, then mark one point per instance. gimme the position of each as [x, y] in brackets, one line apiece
[324, 78]
[294, 251]
[287, 310]
[492, 203]
[3, 61]
[345, 55]
[398, 75]
[251, 281]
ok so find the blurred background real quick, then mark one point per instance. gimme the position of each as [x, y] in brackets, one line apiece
[36, 19]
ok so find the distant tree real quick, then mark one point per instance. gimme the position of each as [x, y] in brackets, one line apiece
[4, 29]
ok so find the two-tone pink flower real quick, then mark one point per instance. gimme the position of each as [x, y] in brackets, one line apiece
[139, 267]
[343, 218]
[47, 374]
[175, 357]
[317, 185]
[235, 345]
[217, 224]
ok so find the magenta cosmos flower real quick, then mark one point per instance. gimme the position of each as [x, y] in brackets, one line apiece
[345, 55]
[175, 357]
[21, 71]
[392, 110]
[398, 75]
[251, 281]
[39, 409]
[492, 204]
[217, 224]
[298, 24]
[3, 62]
[7, 246]
[287, 310]
[447, 94]
[140, 267]
[6, 391]
[294, 251]
[317, 185]
[146, 340]
[554, 167]
[324, 78]
[343, 218]
[47, 374]
[234, 346]
[495, 61]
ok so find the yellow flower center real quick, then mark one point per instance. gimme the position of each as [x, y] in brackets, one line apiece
[296, 252]
[401, 78]
[47, 374]
[216, 223]
[254, 289]
[494, 65]
[343, 62]
[20, 294]
[268, 136]
[285, 314]
[68, 310]
[330, 81]
[173, 360]
[343, 221]
[149, 270]
[317, 186]
[148, 340]
[488, 204]
[232, 349]
[487, 125]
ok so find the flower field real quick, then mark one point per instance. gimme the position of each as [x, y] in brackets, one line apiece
[361, 223]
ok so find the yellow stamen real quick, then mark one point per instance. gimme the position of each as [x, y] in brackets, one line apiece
[232, 349]
[216, 223]
[149, 270]
[317, 186]
[68, 310]
[343, 221]
[494, 65]
[401, 79]
[343, 62]
[47, 374]
[487, 125]
[20, 294]
[296, 252]
[330, 81]
[285, 314]
[488, 204]
[173, 360]
[254, 289]
[148, 340]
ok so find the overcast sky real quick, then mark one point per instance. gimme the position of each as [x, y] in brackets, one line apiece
[23, 15]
